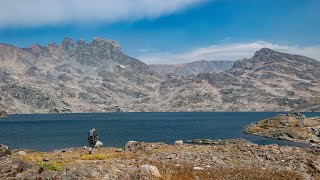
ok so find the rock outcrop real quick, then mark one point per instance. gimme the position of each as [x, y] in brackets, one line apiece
[146, 168]
[218, 141]
[291, 126]
[4, 150]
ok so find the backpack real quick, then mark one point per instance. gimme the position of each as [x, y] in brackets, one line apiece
[92, 137]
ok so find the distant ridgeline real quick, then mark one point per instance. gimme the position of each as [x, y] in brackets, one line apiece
[98, 77]
[192, 68]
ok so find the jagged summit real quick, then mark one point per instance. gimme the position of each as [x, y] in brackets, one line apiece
[96, 40]
[263, 53]
[266, 51]
[67, 40]
[109, 41]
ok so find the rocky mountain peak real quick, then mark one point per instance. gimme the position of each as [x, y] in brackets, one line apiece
[36, 48]
[106, 41]
[66, 41]
[266, 51]
[262, 57]
[263, 53]
[67, 44]
[81, 41]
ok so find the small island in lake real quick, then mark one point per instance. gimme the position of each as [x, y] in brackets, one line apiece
[291, 126]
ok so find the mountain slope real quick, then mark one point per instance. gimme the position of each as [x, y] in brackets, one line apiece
[73, 76]
[193, 68]
[269, 81]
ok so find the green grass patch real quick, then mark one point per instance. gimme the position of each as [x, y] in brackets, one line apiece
[54, 166]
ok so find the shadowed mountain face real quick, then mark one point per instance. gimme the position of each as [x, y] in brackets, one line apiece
[99, 77]
[193, 68]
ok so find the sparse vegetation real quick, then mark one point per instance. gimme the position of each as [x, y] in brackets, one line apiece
[93, 157]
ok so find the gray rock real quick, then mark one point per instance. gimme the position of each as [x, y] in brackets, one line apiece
[152, 170]
[314, 139]
[178, 142]
[4, 150]
[21, 153]
[198, 168]
[172, 156]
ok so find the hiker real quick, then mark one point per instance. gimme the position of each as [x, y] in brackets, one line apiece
[92, 139]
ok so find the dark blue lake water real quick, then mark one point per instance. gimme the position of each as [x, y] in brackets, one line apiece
[44, 132]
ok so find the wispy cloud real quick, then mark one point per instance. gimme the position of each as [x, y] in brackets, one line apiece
[47, 12]
[233, 51]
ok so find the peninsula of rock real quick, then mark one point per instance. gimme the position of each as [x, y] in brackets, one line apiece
[290, 126]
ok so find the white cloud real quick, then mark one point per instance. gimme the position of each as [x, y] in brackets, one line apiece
[233, 51]
[43, 12]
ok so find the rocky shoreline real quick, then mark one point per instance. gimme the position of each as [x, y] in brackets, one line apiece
[292, 126]
[227, 159]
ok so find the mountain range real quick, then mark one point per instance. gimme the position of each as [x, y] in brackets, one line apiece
[192, 68]
[98, 77]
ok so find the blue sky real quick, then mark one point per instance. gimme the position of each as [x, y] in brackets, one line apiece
[169, 31]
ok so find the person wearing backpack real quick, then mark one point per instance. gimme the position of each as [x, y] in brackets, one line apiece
[92, 139]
